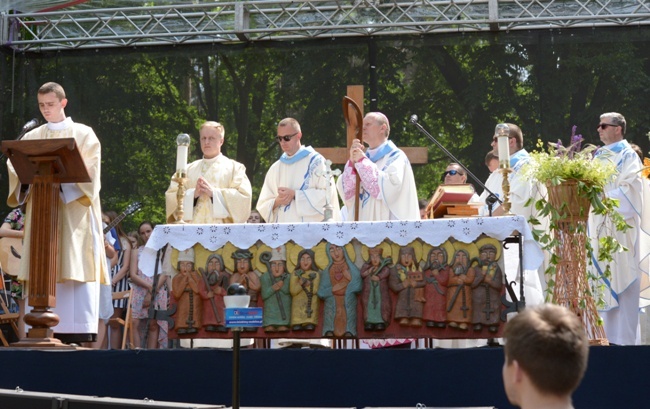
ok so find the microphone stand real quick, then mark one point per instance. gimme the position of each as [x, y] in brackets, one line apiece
[492, 199]
[515, 305]
[20, 136]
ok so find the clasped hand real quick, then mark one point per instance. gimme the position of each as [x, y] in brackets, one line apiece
[285, 196]
[202, 188]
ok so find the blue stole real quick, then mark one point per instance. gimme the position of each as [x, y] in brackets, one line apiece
[518, 159]
[386, 148]
[614, 148]
[303, 152]
[381, 151]
[603, 153]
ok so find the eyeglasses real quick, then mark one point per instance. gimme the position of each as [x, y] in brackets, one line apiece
[452, 172]
[286, 138]
[604, 126]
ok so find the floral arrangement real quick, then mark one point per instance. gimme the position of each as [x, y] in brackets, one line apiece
[574, 164]
[559, 163]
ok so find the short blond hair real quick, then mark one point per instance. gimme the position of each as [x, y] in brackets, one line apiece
[215, 125]
[290, 122]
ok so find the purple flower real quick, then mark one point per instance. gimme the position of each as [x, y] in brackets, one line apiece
[576, 142]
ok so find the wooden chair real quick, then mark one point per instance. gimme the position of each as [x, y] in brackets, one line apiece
[7, 317]
[115, 323]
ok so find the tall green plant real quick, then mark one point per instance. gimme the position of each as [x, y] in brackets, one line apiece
[554, 166]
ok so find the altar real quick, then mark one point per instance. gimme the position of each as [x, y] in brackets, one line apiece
[440, 278]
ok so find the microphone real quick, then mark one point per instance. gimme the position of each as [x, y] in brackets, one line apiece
[26, 128]
[30, 125]
[414, 119]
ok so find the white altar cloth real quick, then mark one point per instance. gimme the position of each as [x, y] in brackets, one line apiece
[307, 235]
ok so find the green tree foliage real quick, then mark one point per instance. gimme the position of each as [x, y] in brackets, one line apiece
[460, 86]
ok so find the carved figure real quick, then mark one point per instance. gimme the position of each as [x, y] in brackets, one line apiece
[304, 285]
[459, 292]
[407, 281]
[486, 290]
[436, 277]
[275, 291]
[212, 288]
[245, 275]
[185, 289]
[341, 282]
[375, 297]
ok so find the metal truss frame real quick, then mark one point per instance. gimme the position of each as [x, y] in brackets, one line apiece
[249, 21]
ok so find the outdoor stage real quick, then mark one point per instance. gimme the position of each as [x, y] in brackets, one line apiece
[615, 378]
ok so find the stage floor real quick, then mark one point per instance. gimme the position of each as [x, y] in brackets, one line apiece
[314, 378]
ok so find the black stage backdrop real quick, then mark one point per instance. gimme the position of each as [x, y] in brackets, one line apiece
[336, 378]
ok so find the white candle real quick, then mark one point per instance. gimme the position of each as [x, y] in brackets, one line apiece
[181, 158]
[504, 149]
[183, 142]
[502, 132]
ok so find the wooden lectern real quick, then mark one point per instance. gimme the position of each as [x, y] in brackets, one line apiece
[45, 164]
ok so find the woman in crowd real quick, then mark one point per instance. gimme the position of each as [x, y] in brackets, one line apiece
[119, 276]
[156, 333]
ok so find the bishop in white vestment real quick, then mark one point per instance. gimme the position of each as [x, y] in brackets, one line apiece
[387, 190]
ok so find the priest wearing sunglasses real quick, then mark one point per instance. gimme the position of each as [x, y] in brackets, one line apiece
[620, 316]
[296, 188]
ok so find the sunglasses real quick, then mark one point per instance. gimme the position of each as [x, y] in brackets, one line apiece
[451, 173]
[604, 126]
[286, 138]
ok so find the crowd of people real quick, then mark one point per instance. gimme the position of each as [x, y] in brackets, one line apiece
[297, 188]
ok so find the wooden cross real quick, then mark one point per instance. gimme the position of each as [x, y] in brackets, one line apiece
[338, 156]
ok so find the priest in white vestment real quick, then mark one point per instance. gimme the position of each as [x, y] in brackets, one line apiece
[218, 190]
[387, 189]
[296, 187]
[82, 266]
[621, 315]
[521, 190]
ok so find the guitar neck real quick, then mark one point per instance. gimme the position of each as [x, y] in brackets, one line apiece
[115, 222]
[132, 208]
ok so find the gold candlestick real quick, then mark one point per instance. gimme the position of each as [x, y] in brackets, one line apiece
[502, 137]
[505, 186]
[180, 178]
